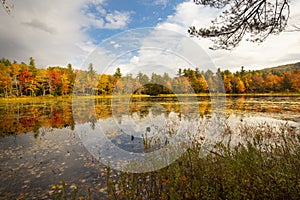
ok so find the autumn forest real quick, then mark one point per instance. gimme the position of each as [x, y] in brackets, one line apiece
[21, 79]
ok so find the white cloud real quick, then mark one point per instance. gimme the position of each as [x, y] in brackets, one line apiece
[161, 2]
[35, 23]
[117, 20]
[117, 46]
[101, 10]
[53, 32]
[42, 30]
[102, 19]
[157, 50]
[134, 60]
[276, 50]
[149, 50]
[188, 14]
[164, 48]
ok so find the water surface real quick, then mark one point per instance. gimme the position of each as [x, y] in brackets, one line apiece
[40, 144]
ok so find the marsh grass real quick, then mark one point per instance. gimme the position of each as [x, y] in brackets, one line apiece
[261, 168]
[70, 97]
[66, 97]
[265, 166]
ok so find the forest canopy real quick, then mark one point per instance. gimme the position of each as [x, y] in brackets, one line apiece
[21, 79]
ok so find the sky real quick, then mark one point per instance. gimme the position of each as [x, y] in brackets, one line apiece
[133, 34]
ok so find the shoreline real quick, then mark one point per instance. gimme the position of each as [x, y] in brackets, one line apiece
[70, 97]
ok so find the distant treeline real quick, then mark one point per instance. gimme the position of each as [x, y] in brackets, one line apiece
[21, 79]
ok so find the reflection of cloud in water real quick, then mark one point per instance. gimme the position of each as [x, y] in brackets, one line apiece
[113, 144]
[112, 141]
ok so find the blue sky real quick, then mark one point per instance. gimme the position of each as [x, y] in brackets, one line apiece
[57, 32]
[142, 13]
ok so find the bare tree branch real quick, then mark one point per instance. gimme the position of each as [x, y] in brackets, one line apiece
[295, 28]
[253, 19]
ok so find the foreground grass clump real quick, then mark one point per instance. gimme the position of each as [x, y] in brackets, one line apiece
[258, 169]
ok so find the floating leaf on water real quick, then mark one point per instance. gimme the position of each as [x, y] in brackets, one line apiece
[102, 174]
[24, 186]
[73, 187]
[103, 189]
[21, 196]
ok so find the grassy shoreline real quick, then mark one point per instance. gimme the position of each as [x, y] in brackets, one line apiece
[70, 97]
[259, 168]
[255, 169]
[65, 97]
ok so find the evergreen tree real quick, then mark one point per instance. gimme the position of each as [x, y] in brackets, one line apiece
[118, 73]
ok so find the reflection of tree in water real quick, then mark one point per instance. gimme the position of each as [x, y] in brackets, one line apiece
[239, 103]
[16, 118]
[204, 107]
[157, 109]
[143, 105]
[23, 117]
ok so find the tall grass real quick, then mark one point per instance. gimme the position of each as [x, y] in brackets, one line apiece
[265, 166]
[260, 168]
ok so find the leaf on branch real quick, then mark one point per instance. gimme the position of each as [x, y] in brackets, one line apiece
[8, 6]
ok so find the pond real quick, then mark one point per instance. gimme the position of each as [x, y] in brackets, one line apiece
[44, 142]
